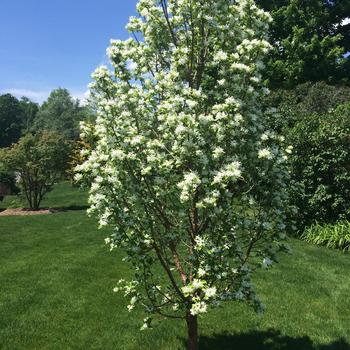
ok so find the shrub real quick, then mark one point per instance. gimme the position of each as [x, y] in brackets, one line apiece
[332, 236]
[39, 161]
[321, 165]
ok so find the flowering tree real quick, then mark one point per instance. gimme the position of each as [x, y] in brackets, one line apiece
[183, 168]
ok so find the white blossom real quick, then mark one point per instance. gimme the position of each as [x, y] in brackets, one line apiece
[188, 185]
[265, 153]
[146, 324]
[201, 272]
[289, 149]
[210, 292]
[264, 137]
[220, 56]
[198, 308]
[197, 284]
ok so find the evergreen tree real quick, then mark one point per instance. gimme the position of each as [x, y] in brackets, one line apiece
[310, 39]
[61, 113]
[10, 120]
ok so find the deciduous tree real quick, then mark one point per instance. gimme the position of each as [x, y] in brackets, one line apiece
[30, 110]
[39, 161]
[10, 120]
[184, 169]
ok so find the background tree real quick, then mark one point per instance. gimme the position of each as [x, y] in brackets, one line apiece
[30, 110]
[10, 120]
[39, 161]
[314, 118]
[302, 101]
[184, 168]
[7, 180]
[310, 39]
[61, 113]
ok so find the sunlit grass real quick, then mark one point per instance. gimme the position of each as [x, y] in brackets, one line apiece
[57, 276]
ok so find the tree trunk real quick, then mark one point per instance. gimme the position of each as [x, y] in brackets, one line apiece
[36, 202]
[192, 328]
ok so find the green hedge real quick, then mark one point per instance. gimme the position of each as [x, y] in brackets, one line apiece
[320, 165]
[301, 102]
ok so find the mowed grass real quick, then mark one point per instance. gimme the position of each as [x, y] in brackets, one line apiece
[57, 276]
[63, 196]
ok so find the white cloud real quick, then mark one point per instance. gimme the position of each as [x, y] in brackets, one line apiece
[81, 96]
[37, 96]
[345, 21]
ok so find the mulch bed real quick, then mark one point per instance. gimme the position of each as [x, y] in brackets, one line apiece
[25, 212]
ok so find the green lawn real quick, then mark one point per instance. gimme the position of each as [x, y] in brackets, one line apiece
[56, 280]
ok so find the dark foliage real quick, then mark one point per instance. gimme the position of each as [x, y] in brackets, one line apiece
[39, 161]
[302, 101]
[320, 164]
[310, 40]
[10, 120]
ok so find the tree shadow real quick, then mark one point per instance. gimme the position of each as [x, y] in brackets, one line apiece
[266, 340]
[71, 208]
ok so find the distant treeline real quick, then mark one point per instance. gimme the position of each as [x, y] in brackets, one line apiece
[60, 113]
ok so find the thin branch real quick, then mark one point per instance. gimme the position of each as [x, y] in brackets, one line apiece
[178, 264]
[166, 15]
[166, 268]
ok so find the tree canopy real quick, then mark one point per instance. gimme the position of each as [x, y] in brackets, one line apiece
[304, 100]
[320, 164]
[61, 113]
[39, 161]
[11, 115]
[310, 39]
[30, 110]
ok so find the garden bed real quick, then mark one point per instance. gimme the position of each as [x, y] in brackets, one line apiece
[25, 212]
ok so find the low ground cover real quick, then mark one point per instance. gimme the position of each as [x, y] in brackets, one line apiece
[332, 236]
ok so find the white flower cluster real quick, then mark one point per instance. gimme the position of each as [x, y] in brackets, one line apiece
[188, 186]
[200, 294]
[265, 153]
[198, 308]
[231, 172]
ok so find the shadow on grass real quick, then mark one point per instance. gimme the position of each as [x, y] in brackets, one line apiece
[71, 208]
[267, 340]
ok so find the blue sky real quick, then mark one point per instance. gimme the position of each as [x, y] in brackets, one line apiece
[45, 44]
